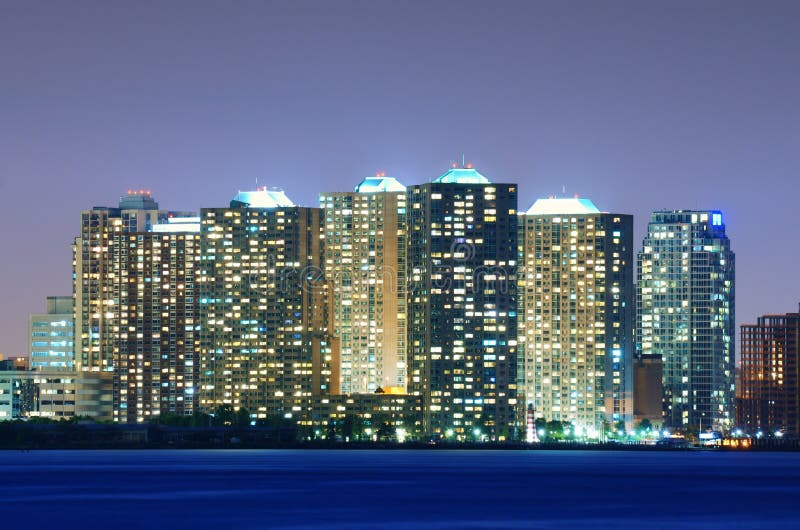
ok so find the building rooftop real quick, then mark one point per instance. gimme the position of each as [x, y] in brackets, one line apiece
[138, 200]
[264, 198]
[462, 175]
[59, 305]
[564, 206]
[702, 217]
[380, 183]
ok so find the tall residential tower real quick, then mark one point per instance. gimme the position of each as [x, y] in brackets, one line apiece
[462, 329]
[685, 314]
[577, 315]
[155, 320]
[93, 275]
[365, 261]
[264, 307]
[131, 295]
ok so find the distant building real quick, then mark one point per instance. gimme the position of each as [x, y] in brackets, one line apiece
[576, 313]
[52, 335]
[10, 395]
[365, 262]
[19, 364]
[685, 314]
[648, 390]
[462, 314]
[768, 398]
[55, 394]
[265, 339]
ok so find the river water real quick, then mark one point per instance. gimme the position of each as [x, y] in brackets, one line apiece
[398, 489]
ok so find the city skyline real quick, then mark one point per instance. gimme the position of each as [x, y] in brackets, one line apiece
[186, 210]
[99, 99]
[454, 263]
[256, 290]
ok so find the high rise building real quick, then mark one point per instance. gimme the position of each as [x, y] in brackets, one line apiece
[154, 320]
[768, 398]
[133, 276]
[264, 306]
[576, 302]
[52, 335]
[365, 262]
[93, 276]
[462, 314]
[685, 313]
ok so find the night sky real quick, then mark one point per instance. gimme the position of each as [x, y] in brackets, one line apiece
[636, 105]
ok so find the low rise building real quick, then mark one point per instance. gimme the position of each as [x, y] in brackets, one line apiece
[54, 394]
[768, 397]
[648, 390]
[52, 335]
[362, 416]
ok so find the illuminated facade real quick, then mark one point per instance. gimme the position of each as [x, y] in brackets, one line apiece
[365, 261]
[401, 411]
[685, 313]
[93, 276]
[133, 295]
[768, 396]
[154, 321]
[265, 342]
[462, 320]
[52, 335]
[577, 315]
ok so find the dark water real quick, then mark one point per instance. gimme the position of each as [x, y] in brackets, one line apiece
[398, 489]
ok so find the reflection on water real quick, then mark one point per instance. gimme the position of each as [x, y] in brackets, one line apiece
[399, 489]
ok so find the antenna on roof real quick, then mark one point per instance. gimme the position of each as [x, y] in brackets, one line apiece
[563, 189]
[463, 163]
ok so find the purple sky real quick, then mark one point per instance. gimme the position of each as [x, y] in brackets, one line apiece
[638, 107]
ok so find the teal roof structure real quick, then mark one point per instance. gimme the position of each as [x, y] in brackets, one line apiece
[380, 184]
[462, 175]
[565, 206]
[264, 198]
